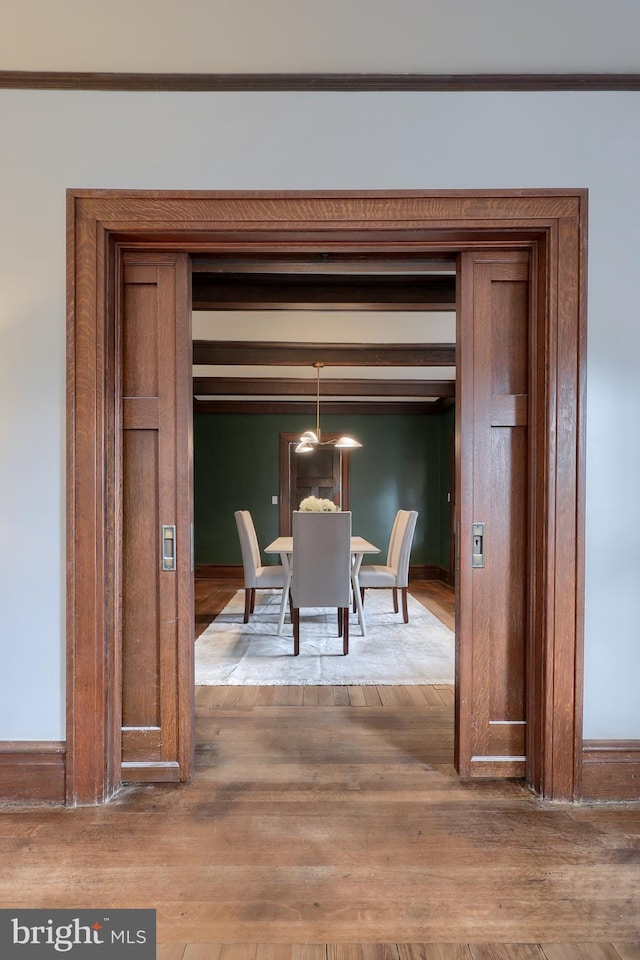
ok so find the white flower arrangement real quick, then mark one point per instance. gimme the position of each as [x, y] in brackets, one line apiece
[317, 505]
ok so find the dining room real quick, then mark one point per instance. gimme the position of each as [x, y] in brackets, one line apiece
[349, 349]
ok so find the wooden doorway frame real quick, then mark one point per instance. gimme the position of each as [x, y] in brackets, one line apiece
[102, 224]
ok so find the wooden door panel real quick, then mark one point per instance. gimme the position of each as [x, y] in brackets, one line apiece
[156, 621]
[316, 474]
[140, 581]
[493, 616]
[325, 473]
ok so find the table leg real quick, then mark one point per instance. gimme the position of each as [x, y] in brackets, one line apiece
[355, 584]
[285, 561]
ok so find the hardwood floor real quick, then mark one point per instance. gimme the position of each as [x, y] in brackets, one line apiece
[338, 829]
[212, 596]
[401, 951]
[327, 823]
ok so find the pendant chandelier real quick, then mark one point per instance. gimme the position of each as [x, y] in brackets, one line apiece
[311, 439]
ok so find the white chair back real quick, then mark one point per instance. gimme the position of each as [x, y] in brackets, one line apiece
[394, 537]
[249, 546]
[322, 559]
[400, 545]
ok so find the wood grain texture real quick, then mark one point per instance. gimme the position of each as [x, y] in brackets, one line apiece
[91, 579]
[400, 951]
[269, 291]
[226, 82]
[157, 610]
[493, 618]
[337, 830]
[32, 772]
[551, 224]
[610, 770]
[239, 353]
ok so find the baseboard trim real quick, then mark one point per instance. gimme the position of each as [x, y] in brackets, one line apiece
[426, 571]
[32, 772]
[610, 770]
[152, 772]
[218, 571]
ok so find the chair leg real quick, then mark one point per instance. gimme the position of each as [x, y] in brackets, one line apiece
[340, 621]
[253, 599]
[395, 599]
[345, 631]
[296, 631]
[405, 606]
[247, 604]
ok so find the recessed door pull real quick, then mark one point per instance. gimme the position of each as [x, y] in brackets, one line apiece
[477, 540]
[169, 547]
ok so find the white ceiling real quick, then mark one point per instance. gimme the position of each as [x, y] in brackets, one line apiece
[326, 326]
[322, 36]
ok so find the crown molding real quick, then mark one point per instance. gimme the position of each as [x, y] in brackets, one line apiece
[340, 82]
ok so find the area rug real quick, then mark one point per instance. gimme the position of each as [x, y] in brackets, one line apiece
[231, 652]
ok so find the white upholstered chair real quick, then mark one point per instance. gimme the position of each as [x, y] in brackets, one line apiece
[321, 568]
[394, 574]
[256, 576]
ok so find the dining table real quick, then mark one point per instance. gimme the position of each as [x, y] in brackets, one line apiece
[284, 547]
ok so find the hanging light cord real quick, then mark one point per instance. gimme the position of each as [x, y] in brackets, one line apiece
[318, 366]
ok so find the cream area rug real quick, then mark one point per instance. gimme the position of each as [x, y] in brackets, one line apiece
[231, 652]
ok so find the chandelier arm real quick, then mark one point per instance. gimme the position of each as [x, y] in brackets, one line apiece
[309, 440]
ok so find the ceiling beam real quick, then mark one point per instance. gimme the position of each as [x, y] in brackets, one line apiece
[266, 291]
[324, 263]
[261, 386]
[266, 353]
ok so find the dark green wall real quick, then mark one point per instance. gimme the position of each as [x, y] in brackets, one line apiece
[236, 467]
[447, 433]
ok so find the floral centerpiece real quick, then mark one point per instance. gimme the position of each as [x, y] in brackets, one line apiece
[317, 505]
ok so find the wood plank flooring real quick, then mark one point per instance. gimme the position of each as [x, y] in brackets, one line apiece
[327, 823]
[338, 830]
[400, 951]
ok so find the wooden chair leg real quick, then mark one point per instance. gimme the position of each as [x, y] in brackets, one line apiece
[345, 631]
[290, 606]
[253, 599]
[247, 604]
[340, 621]
[296, 631]
[405, 606]
[395, 599]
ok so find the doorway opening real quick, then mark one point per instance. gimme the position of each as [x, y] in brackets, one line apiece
[388, 325]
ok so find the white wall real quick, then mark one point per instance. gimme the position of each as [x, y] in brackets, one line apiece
[333, 36]
[55, 140]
